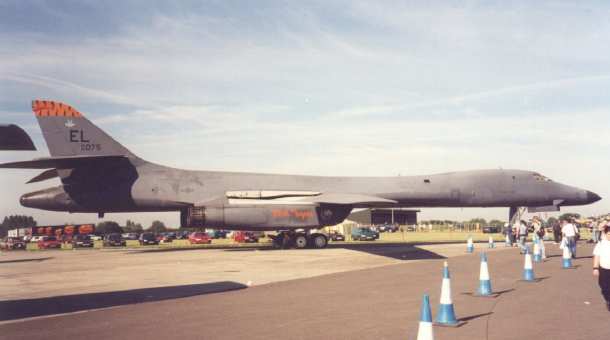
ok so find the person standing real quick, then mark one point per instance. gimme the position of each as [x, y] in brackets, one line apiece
[601, 264]
[569, 232]
[539, 235]
[595, 230]
[509, 234]
[557, 232]
[522, 236]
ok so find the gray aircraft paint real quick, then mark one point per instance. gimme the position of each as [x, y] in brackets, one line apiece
[100, 175]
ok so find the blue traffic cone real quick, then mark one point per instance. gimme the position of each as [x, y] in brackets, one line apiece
[446, 314]
[537, 253]
[528, 268]
[484, 280]
[567, 258]
[469, 245]
[425, 331]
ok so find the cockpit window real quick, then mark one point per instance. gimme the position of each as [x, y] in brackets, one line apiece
[541, 178]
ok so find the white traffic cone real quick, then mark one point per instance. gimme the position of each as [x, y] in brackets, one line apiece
[469, 245]
[567, 258]
[484, 279]
[446, 313]
[528, 267]
[491, 242]
[425, 331]
[537, 253]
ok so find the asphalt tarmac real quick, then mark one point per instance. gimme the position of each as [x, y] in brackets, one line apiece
[353, 292]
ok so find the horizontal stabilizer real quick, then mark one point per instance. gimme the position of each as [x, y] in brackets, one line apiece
[12, 137]
[48, 174]
[349, 199]
[68, 162]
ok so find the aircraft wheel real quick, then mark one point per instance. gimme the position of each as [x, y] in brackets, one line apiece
[319, 241]
[300, 241]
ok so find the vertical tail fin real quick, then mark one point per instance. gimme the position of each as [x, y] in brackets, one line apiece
[68, 133]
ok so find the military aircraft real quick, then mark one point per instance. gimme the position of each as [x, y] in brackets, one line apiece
[100, 175]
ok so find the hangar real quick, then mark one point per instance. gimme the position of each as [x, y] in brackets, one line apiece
[378, 216]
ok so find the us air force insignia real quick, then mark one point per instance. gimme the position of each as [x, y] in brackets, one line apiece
[70, 123]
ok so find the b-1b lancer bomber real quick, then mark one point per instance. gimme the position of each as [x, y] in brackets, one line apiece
[99, 175]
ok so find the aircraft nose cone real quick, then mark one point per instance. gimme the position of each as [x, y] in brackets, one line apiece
[592, 197]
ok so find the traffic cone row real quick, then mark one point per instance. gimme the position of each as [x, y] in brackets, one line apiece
[469, 245]
[484, 279]
[528, 268]
[446, 314]
[425, 331]
[537, 253]
[567, 258]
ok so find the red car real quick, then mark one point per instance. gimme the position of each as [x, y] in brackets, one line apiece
[245, 237]
[200, 238]
[49, 242]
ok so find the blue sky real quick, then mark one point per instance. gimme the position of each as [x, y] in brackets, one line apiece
[325, 88]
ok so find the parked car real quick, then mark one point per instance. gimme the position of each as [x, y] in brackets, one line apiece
[199, 238]
[130, 236]
[245, 237]
[392, 228]
[182, 235]
[336, 236]
[114, 240]
[49, 242]
[36, 238]
[491, 229]
[10, 243]
[147, 239]
[82, 241]
[215, 233]
[364, 234]
[168, 237]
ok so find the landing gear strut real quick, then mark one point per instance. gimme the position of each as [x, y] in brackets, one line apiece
[299, 240]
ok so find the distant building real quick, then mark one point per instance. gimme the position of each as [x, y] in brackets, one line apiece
[378, 216]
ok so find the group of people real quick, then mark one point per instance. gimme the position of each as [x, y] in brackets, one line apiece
[518, 234]
[567, 233]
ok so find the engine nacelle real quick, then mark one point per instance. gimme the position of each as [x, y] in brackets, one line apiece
[263, 217]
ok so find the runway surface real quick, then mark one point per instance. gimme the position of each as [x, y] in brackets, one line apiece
[352, 292]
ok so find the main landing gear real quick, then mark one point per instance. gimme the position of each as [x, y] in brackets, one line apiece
[299, 240]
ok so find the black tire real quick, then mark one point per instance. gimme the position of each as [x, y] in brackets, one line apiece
[300, 241]
[319, 241]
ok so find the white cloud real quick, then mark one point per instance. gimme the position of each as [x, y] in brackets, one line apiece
[372, 90]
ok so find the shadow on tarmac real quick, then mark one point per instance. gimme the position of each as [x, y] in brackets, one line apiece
[493, 295]
[40, 259]
[18, 309]
[472, 317]
[398, 251]
[406, 252]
